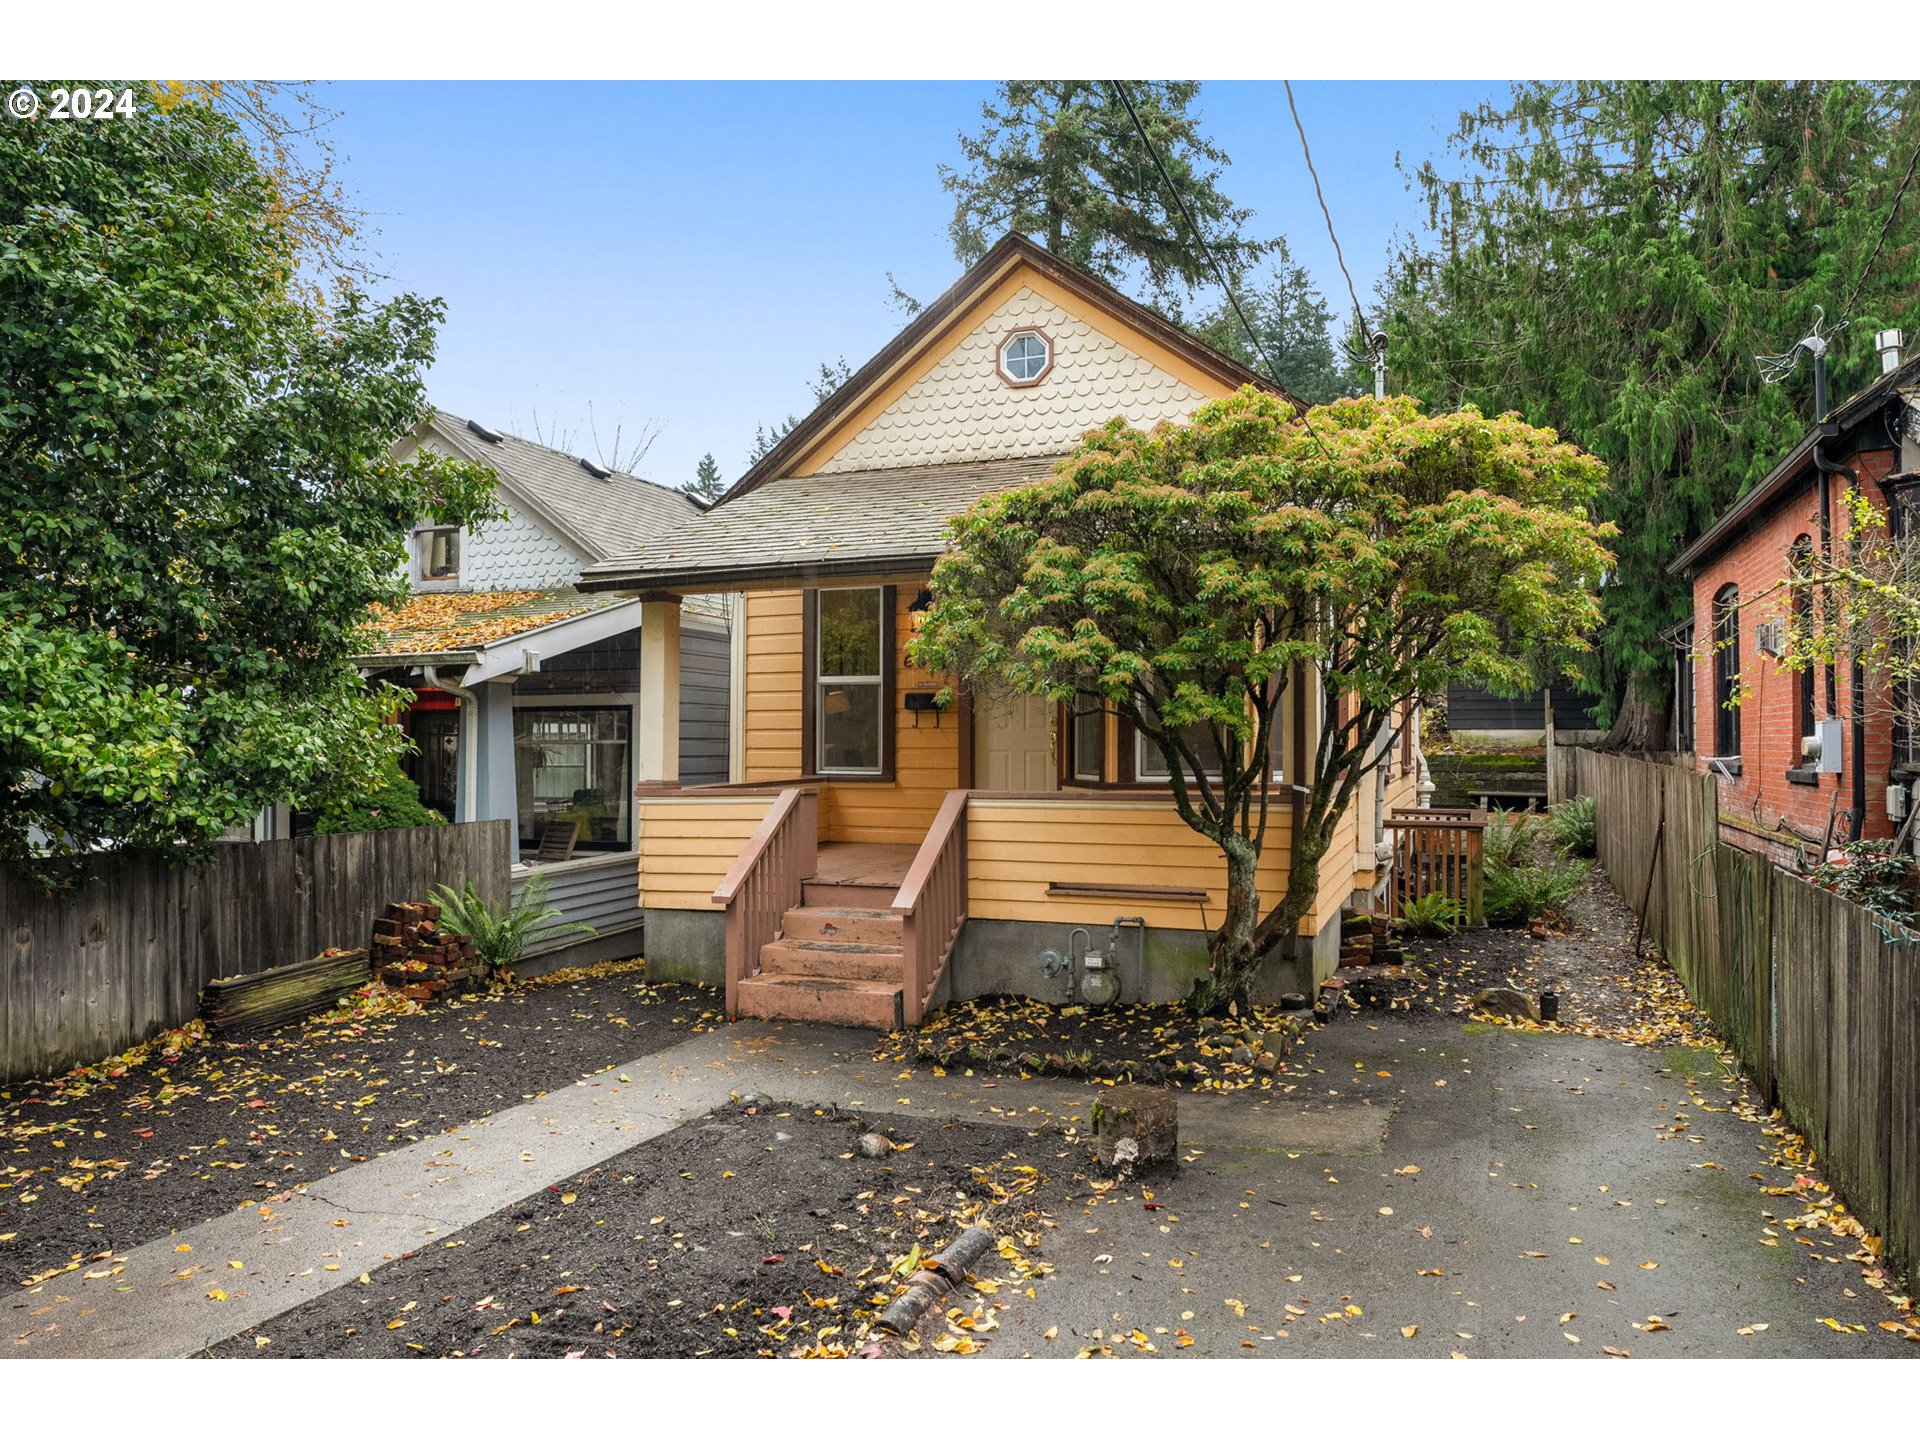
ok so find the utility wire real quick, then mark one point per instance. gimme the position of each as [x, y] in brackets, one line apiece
[1359, 315]
[1206, 250]
[1846, 310]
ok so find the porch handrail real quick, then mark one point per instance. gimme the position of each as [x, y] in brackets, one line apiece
[1438, 852]
[764, 882]
[932, 904]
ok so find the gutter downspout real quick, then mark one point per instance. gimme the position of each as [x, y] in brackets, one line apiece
[468, 778]
[1857, 819]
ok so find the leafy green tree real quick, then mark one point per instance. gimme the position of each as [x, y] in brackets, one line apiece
[829, 379]
[1290, 319]
[1188, 578]
[1060, 161]
[198, 499]
[1608, 257]
[706, 484]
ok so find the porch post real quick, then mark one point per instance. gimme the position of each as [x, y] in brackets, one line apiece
[657, 747]
[496, 781]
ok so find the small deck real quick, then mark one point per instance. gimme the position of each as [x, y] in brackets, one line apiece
[847, 863]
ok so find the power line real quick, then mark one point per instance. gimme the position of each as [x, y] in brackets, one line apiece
[1206, 251]
[1359, 315]
[1846, 310]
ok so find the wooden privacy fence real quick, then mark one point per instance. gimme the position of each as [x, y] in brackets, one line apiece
[87, 972]
[1818, 997]
[1438, 852]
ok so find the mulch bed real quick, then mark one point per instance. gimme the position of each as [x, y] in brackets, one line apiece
[1589, 962]
[756, 1231]
[115, 1155]
[1151, 1044]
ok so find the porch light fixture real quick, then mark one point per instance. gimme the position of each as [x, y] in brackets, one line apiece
[1025, 357]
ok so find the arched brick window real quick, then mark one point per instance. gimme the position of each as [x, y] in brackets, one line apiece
[1803, 626]
[1726, 672]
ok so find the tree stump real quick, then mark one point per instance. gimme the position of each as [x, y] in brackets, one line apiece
[1136, 1129]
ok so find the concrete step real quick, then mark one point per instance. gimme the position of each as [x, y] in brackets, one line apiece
[830, 960]
[865, 1004]
[844, 926]
[841, 895]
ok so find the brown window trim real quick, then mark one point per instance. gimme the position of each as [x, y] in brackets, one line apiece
[809, 680]
[1127, 738]
[1063, 718]
[1000, 357]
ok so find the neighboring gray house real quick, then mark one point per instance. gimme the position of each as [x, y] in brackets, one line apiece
[527, 689]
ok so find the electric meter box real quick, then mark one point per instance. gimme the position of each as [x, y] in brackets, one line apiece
[1831, 753]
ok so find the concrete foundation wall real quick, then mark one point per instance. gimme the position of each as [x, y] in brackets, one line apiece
[1155, 965]
[687, 945]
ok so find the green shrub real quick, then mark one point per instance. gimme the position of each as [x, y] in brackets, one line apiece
[1571, 826]
[501, 935]
[1506, 838]
[1872, 874]
[1434, 914]
[393, 804]
[1524, 892]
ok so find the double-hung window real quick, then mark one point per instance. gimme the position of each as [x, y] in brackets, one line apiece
[1087, 739]
[850, 656]
[1726, 673]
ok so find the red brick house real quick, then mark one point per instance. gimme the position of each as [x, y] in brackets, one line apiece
[1805, 757]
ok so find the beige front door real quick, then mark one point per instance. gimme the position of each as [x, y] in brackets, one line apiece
[1014, 745]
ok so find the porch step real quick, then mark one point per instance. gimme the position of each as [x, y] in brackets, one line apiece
[866, 1004]
[848, 894]
[844, 926]
[831, 960]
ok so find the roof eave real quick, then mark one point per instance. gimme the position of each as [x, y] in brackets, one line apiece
[745, 576]
[414, 661]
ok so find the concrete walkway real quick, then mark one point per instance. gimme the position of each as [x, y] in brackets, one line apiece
[1428, 1176]
[176, 1296]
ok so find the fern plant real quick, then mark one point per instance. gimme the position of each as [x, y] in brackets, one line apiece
[1571, 826]
[1523, 892]
[1432, 914]
[1505, 840]
[501, 934]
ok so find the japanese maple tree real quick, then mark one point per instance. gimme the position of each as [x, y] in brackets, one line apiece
[1187, 578]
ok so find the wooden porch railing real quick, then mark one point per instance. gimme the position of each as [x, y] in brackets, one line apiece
[1438, 852]
[932, 904]
[764, 882]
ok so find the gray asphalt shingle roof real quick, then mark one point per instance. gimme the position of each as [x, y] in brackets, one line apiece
[604, 516]
[849, 518]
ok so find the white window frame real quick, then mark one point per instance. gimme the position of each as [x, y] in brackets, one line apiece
[423, 550]
[878, 682]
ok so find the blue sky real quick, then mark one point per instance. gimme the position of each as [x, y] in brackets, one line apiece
[688, 253]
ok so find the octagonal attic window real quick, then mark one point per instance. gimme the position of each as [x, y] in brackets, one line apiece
[1025, 357]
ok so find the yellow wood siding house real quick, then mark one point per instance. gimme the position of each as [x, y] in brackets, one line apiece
[873, 855]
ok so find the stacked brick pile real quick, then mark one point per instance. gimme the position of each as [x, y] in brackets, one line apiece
[424, 962]
[1369, 940]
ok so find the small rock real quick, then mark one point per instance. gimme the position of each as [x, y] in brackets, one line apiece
[1293, 1000]
[779, 1135]
[1509, 1004]
[1266, 1062]
[874, 1146]
[751, 1101]
[1242, 1055]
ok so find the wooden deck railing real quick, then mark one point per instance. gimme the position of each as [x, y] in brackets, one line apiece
[932, 904]
[1438, 852]
[765, 882]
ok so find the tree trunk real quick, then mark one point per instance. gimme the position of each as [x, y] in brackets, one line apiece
[1640, 725]
[1231, 951]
